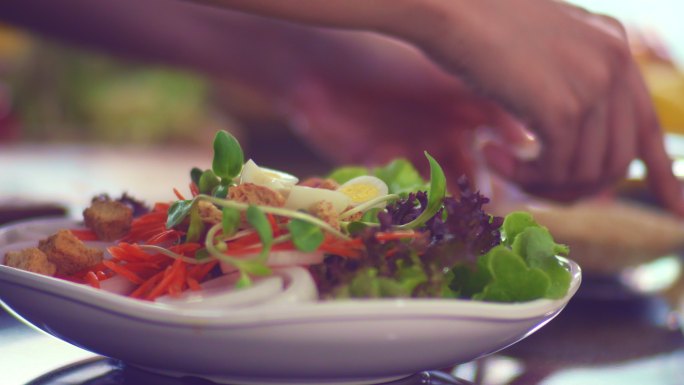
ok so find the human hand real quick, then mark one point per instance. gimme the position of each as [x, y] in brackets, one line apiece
[389, 100]
[570, 76]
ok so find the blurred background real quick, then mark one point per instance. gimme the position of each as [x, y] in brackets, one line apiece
[74, 103]
[75, 123]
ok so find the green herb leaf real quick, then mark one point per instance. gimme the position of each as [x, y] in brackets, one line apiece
[371, 216]
[512, 279]
[228, 156]
[255, 268]
[208, 180]
[537, 246]
[202, 254]
[514, 224]
[355, 228]
[305, 236]
[244, 281]
[436, 195]
[346, 173]
[401, 177]
[467, 280]
[258, 220]
[220, 191]
[196, 226]
[195, 175]
[177, 212]
[230, 220]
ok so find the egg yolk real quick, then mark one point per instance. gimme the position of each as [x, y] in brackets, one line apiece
[359, 193]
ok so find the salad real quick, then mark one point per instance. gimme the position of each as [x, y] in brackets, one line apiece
[361, 232]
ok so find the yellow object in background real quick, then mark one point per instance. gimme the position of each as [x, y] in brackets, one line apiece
[666, 84]
[13, 44]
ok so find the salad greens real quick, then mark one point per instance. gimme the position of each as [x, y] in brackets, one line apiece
[415, 241]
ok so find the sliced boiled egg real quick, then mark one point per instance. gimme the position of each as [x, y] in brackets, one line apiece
[273, 179]
[302, 198]
[363, 188]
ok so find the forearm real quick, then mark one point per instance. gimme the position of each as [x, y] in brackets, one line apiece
[411, 20]
[266, 54]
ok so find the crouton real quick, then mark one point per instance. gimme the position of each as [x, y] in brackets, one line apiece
[68, 253]
[325, 211]
[31, 259]
[110, 220]
[256, 195]
[328, 184]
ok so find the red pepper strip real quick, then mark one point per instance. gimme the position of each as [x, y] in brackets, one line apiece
[101, 275]
[85, 234]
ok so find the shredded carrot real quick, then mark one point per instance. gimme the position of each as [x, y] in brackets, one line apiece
[194, 189]
[193, 284]
[92, 280]
[381, 236]
[178, 194]
[274, 225]
[85, 234]
[198, 272]
[143, 289]
[165, 236]
[170, 275]
[123, 271]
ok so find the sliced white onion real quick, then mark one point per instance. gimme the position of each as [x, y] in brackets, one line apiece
[302, 198]
[282, 258]
[221, 293]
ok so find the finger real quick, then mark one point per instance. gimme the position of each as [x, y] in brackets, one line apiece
[588, 164]
[651, 149]
[622, 131]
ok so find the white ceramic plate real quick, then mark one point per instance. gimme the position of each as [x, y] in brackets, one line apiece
[289, 338]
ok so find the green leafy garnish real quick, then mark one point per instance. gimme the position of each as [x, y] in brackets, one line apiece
[178, 211]
[230, 220]
[196, 227]
[436, 195]
[524, 267]
[195, 175]
[228, 156]
[305, 236]
[258, 220]
[512, 280]
[208, 181]
[347, 173]
[401, 177]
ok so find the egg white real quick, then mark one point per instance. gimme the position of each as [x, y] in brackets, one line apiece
[363, 189]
